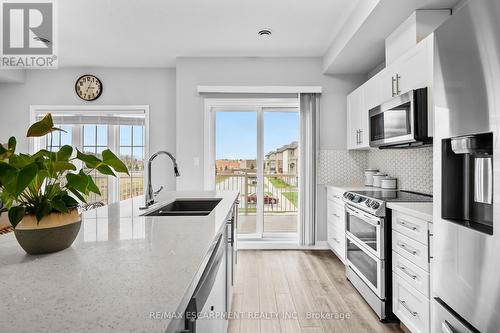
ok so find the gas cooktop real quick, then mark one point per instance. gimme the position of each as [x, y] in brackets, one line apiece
[374, 201]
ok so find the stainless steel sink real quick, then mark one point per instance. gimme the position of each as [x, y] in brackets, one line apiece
[187, 207]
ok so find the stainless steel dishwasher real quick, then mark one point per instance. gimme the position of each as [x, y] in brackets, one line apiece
[207, 307]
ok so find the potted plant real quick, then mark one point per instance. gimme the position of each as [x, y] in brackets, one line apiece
[43, 191]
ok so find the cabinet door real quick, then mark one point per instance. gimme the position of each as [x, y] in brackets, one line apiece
[415, 67]
[354, 106]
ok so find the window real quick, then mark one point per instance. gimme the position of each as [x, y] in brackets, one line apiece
[95, 141]
[132, 153]
[94, 131]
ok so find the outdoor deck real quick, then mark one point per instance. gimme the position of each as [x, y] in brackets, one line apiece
[272, 223]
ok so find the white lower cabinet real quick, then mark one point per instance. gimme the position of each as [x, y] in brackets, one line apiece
[410, 271]
[336, 222]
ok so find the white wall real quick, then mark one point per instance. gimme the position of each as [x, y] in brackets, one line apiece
[153, 87]
[192, 72]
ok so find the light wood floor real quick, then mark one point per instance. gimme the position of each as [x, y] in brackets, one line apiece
[298, 282]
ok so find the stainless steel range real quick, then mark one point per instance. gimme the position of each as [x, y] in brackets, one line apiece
[368, 241]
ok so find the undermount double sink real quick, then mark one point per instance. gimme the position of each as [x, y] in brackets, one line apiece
[187, 207]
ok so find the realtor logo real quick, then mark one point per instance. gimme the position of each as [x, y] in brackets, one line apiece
[28, 33]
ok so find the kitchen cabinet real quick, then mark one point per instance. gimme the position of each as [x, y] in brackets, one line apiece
[412, 70]
[357, 120]
[336, 222]
[411, 254]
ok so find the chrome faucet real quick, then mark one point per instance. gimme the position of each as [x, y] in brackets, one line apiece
[150, 193]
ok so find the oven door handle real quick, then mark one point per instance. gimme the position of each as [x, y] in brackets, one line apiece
[364, 216]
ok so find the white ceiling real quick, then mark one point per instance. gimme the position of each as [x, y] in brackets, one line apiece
[152, 33]
[365, 46]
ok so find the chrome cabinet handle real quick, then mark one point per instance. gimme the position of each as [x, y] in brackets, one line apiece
[406, 248]
[360, 136]
[403, 303]
[446, 327]
[336, 215]
[335, 239]
[393, 84]
[336, 197]
[404, 269]
[407, 224]
[397, 84]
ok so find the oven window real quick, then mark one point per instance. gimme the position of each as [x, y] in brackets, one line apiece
[365, 264]
[362, 230]
[391, 123]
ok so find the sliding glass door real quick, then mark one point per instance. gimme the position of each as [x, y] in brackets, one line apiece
[256, 152]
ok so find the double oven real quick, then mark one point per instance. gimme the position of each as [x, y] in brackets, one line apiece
[367, 258]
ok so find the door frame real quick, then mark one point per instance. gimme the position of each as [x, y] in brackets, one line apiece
[257, 105]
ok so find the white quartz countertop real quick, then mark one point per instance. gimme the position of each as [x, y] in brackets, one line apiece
[121, 268]
[421, 210]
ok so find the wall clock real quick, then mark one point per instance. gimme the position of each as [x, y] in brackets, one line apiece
[88, 87]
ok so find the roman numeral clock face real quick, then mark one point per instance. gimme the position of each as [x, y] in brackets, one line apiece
[88, 87]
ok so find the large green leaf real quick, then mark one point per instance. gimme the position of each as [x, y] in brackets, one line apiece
[8, 177]
[77, 194]
[16, 214]
[63, 166]
[6, 152]
[92, 186]
[113, 161]
[59, 205]
[64, 153]
[78, 182]
[69, 201]
[105, 170]
[43, 209]
[42, 127]
[20, 161]
[25, 177]
[90, 160]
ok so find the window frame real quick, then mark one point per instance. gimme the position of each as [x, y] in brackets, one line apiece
[113, 131]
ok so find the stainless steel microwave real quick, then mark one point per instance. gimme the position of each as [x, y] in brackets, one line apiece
[402, 122]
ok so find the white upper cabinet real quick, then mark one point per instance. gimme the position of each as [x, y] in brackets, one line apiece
[357, 120]
[414, 69]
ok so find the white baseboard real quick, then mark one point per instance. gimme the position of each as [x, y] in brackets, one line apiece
[280, 245]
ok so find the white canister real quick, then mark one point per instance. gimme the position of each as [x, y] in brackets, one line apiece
[369, 176]
[377, 178]
[389, 183]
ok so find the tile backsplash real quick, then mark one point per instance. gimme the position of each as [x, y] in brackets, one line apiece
[412, 167]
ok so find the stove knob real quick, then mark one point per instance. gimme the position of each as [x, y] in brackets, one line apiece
[368, 202]
[375, 205]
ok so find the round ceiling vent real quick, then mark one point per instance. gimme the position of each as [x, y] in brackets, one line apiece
[265, 32]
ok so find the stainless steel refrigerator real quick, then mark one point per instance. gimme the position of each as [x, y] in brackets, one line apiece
[466, 244]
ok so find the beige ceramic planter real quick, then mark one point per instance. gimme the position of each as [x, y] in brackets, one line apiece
[55, 232]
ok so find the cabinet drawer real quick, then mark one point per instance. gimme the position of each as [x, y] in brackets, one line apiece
[335, 194]
[410, 226]
[411, 307]
[410, 249]
[335, 210]
[411, 273]
[336, 240]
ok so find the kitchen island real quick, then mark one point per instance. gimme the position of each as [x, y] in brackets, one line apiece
[124, 273]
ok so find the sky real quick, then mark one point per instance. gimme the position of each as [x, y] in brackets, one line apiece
[236, 133]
